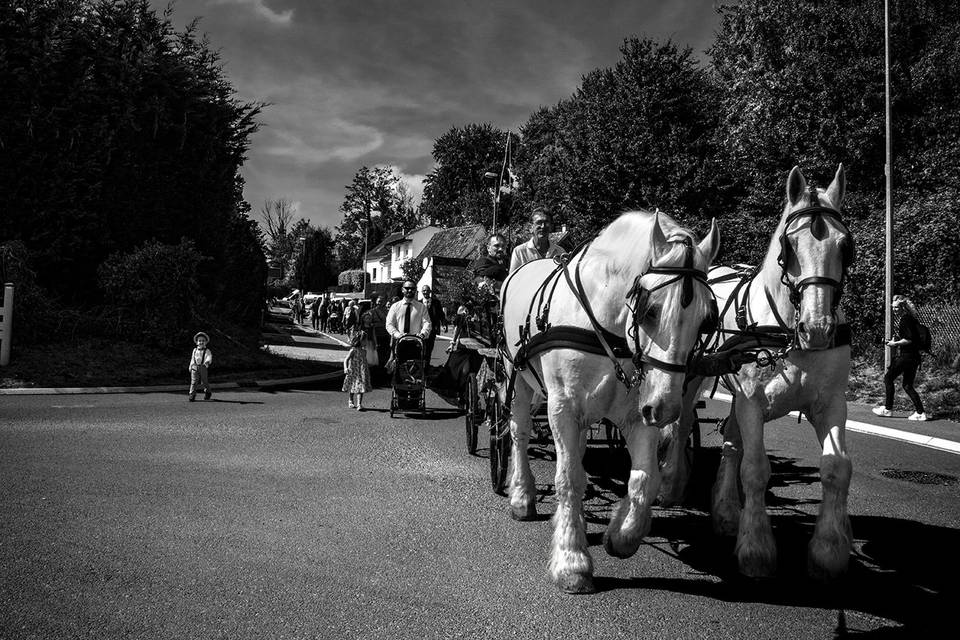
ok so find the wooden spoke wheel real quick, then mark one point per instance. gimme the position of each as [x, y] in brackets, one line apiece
[474, 415]
[500, 443]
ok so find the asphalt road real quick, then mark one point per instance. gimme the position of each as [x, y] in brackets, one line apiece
[286, 515]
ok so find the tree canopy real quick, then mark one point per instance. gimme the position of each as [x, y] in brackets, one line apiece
[455, 192]
[118, 130]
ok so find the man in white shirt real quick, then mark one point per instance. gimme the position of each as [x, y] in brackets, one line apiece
[408, 316]
[540, 245]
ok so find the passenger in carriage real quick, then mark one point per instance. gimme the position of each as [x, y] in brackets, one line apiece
[493, 264]
[539, 245]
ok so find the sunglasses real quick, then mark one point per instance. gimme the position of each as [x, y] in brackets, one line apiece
[409, 288]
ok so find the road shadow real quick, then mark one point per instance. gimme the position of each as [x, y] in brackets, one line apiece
[901, 580]
[234, 401]
[902, 576]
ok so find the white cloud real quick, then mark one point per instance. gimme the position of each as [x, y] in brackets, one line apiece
[260, 6]
[413, 182]
[324, 140]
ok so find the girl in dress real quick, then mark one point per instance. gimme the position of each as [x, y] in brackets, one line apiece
[356, 371]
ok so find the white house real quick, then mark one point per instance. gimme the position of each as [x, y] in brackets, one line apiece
[409, 246]
[383, 262]
[378, 260]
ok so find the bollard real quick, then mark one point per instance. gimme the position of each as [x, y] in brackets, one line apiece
[6, 324]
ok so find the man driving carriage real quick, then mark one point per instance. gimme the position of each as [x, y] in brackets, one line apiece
[493, 264]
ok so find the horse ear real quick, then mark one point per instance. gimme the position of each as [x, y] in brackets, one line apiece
[838, 187]
[659, 237]
[796, 186]
[710, 245]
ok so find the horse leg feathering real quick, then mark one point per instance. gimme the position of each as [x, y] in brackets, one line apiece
[631, 522]
[829, 551]
[523, 490]
[571, 567]
[756, 549]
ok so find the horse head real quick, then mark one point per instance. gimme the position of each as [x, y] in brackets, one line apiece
[673, 306]
[815, 252]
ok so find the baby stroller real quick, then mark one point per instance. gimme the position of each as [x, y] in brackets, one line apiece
[408, 382]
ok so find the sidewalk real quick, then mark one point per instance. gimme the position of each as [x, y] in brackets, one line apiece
[303, 342]
[942, 434]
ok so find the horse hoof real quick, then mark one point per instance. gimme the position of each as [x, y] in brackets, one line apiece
[619, 551]
[524, 514]
[757, 568]
[576, 583]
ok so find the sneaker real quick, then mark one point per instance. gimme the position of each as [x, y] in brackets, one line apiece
[192, 397]
[922, 417]
[350, 405]
[207, 395]
[359, 407]
[883, 412]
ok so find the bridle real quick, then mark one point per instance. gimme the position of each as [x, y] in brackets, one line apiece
[817, 213]
[688, 276]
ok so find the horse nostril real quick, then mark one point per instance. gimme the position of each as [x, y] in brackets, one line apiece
[649, 414]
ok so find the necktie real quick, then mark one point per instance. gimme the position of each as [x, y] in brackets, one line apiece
[406, 319]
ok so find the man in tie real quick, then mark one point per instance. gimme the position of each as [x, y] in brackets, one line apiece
[408, 316]
[437, 319]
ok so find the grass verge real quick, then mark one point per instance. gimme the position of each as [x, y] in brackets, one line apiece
[98, 362]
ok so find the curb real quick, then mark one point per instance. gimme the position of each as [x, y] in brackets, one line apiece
[856, 426]
[171, 388]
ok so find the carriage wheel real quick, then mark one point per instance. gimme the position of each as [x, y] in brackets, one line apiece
[500, 443]
[472, 419]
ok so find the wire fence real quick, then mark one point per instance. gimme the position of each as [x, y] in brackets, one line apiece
[944, 323]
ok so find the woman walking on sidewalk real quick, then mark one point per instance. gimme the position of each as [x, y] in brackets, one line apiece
[907, 360]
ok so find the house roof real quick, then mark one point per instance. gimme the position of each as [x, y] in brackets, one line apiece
[456, 242]
[382, 250]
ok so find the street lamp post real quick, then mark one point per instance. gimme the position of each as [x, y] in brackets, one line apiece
[303, 249]
[888, 171]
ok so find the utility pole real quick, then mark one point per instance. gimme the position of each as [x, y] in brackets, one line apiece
[888, 171]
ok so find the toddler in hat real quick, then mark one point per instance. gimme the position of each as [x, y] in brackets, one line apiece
[200, 359]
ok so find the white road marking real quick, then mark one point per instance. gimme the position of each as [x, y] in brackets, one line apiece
[884, 432]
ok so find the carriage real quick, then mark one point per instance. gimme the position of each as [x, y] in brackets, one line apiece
[408, 379]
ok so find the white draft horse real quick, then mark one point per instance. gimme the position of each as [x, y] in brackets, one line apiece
[643, 282]
[793, 299]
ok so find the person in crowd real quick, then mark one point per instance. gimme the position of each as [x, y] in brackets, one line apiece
[315, 313]
[493, 264]
[408, 316]
[906, 361]
[438, 319]
[324, 311]
[370, 340]
[334, 319]
[461, 325]
[539, 245]
[378, 320]
[351, 317]
[200, 360]
[356, 379]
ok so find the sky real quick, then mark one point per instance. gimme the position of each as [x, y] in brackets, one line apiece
[354, 83]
